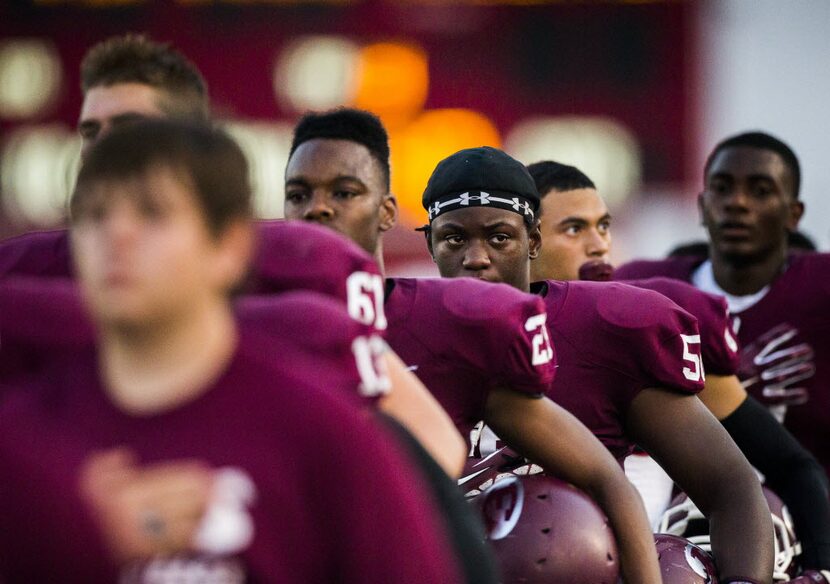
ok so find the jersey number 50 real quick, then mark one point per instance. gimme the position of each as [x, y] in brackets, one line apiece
[691, 354]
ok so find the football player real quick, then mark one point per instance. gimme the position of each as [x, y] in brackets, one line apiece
[576, 238]
[629, 359]
[161, 235]
[129, 78]
[481, 349]
[749, 206]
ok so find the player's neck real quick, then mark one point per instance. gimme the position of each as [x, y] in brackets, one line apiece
[160, 367]
[743, 278]
[378, 255]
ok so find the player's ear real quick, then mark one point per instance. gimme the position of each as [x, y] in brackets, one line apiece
[796, 213]
[234, 249]
[534, 241]
[388, 212]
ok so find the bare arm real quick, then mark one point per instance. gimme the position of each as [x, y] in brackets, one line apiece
[722, 394]
[411, 404]
[695, 450]
[553, 438]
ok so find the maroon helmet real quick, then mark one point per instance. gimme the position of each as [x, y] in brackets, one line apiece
[683, 518]
[544, 530]
[812, 577]
[481, 473]
[682, 562]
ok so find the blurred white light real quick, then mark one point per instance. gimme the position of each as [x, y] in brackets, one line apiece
[266, 146]
[316, 73]
[38, 166]
[30, 76]
[601, 148]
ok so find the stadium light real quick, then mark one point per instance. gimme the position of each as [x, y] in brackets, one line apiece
[602, 148]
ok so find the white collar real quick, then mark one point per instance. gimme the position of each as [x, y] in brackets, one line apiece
[704, 279]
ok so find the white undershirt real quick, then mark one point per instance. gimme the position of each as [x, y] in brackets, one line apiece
[703, 278]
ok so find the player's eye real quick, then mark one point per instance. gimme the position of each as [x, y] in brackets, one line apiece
[762, 191]
[604, 227]
[94, 212]
[152, 209]
[344, 194]
[296, 196]
[572, 230]
[499, 238]
[454, 239]
[89, 132]
[718, 187]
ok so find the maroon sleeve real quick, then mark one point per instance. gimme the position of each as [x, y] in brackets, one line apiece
[678, 268]
[39, 318]
[504, 334]
[648, 336]
[294, 255]
[382, 525]
[316, 335]
[42, 253]
[670, 351]
[719, 347]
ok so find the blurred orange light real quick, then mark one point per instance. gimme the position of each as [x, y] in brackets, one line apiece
[419, 147]
[392, 81]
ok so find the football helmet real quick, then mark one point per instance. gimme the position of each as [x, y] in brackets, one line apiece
[544, 530]
[480, 473]
[812, 577]
[683, 518]
[682, 562]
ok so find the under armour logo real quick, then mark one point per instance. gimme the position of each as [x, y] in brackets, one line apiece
[483, 198]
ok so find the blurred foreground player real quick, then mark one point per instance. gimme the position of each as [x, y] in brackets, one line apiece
[629, 362]
[130, 77]
[778, 299]
[481, 349]
[161, 234]
[576, 239]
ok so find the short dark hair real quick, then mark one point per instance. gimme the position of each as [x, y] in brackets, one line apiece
[133, 58]
[205, 156]
[549, 175]
[761, 141]
[350, 124]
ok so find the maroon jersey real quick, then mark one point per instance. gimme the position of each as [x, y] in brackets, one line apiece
[464, 337]
[41, 253]
[719, 348]
[291, 255]
[296, 255]
[324, 490]
[786, 330]
[612, 341]
[41, 318]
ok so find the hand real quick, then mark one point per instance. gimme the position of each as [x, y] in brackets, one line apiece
[145, 511]
[774, 365]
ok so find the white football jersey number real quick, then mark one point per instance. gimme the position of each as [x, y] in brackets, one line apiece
[542, 349]
[364, 294]
[691, 354]
[368, 356]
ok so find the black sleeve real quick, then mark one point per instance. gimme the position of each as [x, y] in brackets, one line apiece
[464, 526]
[791, 472]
